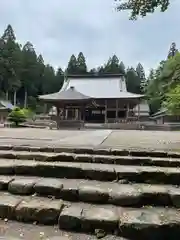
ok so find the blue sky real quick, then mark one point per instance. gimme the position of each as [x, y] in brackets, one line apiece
[58, 28]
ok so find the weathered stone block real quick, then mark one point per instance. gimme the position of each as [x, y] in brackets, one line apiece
[21, 148]
[174, 195]
[22, 186]
[101, 172]
[90, 193]
[103, 159]
[46, 149]
[154, 194]
[83, 150]
[154, 223]
[7, 166]
[7, 154]
[49, 187]
[60, 169]
[119, 152]
[99, 151]
[6, 147]
[44, 211]
[124, 195]
[4, 181]
[8, 204]
[69, 190]
[127, 172]
[63, 149]
[25, 167]
[83, 158]
[70, 218]
[31, 156]
[63, 157]
[100, 218]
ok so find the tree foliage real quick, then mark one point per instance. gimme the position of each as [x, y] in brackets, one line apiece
[142, 7]
[17, 116]
[172, 102]
[164, 84]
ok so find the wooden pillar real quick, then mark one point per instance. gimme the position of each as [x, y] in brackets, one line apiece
[127, 113]
[138, 111]
[83, 113]
[64, 113]
[116, 110]
[105, 113]
[58, 111]
[57, 117]
[76, 114]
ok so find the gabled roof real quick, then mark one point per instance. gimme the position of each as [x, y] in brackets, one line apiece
[71, 94]
[101, 87]
[6, 104]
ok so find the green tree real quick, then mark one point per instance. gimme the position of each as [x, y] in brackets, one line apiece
[29, 72]
[172, 51]
[172, 102]
[9, 34]
[81, 64]
[141, 74]
[49, 80]
[154, 90]
[59, 79]
[112, 66]
[142, 8]
[133, 82]
[17, 116]
[122, 68]
[72, 65]
[10, 63]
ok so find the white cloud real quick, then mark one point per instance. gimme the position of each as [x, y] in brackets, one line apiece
[58, 28]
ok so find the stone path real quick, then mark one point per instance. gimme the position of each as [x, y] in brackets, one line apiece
[94, 138]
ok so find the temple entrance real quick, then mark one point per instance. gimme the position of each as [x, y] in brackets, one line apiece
[94, 115]
[122, 114]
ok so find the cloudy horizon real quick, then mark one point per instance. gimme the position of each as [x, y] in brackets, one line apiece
[58, 29]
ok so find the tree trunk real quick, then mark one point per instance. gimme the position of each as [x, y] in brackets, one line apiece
[45, 108]
[15, 98]
[7, 95]
[25, 99]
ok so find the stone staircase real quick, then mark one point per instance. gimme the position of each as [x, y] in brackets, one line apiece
[127, 194]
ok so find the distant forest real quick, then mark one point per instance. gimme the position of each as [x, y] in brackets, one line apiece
[24, 75]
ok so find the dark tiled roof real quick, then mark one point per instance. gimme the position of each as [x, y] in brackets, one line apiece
[69, 94]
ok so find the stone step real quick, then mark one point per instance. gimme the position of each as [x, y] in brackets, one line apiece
[87, 158]
[147, 222]
[92, 171]
[96, 151]
[30, 208]
[137, 223]
[134, 195]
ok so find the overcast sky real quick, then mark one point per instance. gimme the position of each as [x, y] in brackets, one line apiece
[58, 28]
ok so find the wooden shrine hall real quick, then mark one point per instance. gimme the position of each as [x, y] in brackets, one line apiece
[94, 100]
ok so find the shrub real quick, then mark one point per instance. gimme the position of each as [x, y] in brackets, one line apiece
[28, 113]
[17, 116]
